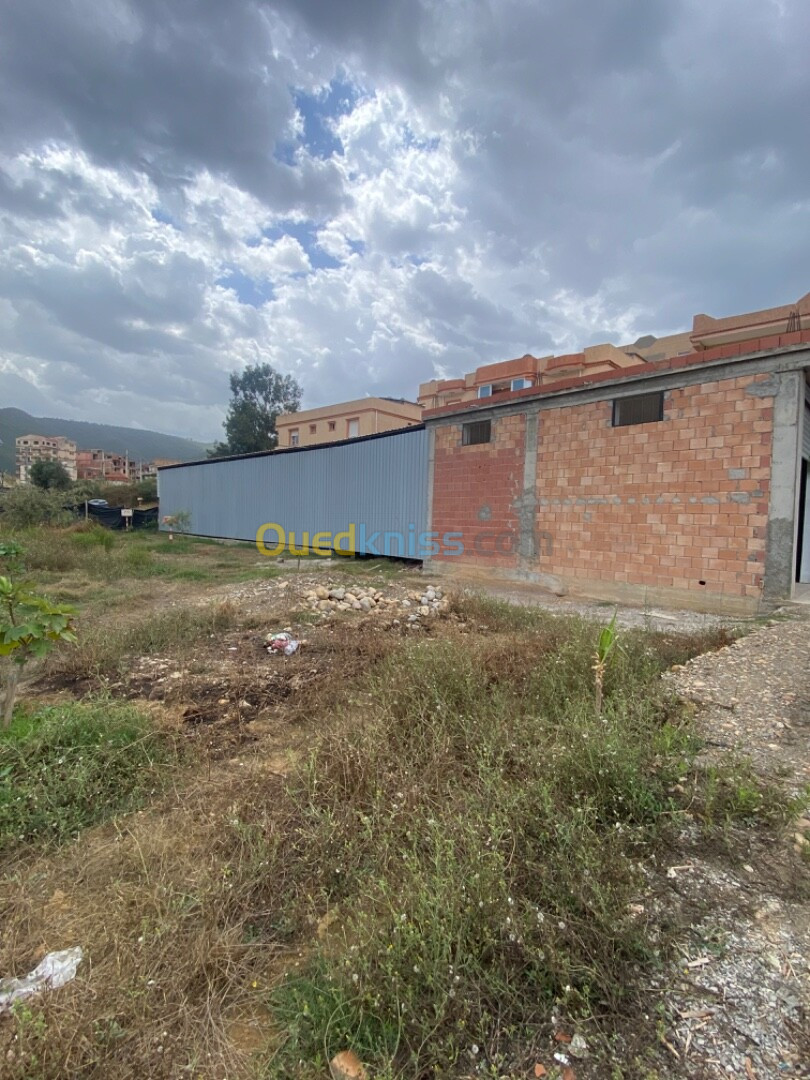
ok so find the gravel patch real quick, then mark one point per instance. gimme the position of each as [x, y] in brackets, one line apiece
[754, 697]
[739, 999]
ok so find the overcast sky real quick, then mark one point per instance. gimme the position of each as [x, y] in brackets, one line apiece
[368, 193]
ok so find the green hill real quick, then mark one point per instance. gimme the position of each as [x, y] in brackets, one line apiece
[141, 445]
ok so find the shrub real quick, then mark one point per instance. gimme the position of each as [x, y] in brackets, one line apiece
[25, 506]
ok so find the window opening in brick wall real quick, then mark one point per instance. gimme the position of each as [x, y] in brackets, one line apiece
[479, 431]
[639, 409]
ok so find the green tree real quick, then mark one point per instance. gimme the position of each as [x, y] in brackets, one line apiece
[50, 475]
[258, 396]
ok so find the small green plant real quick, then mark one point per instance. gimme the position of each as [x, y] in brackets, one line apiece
[733, 794]
[95, 537]
[30, 625]
[66, 767]
[10, 557]
[608, 641]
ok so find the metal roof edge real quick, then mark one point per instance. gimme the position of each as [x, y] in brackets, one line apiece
[296, 449]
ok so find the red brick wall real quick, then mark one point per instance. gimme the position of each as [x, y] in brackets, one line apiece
[665, 504]
[475, 487]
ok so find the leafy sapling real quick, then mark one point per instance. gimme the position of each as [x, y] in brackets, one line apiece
[607, 643]
[30, 626]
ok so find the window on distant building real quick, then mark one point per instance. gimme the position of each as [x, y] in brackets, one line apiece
[294, 436]
[313, 428]
[485, 391]
[521, 384]
[331, 425]
[353, 428]
[638, 409]
[479, 431]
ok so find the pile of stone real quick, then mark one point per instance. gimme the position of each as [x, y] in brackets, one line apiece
[430, 602]
[339, 598]
[331, 598]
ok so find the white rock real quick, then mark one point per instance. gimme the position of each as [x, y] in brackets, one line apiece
[337, 594]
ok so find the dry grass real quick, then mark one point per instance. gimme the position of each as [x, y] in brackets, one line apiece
[103, 649]
[432, 774]
[158, 902]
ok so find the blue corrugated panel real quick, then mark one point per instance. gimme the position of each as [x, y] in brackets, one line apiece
[378, 484]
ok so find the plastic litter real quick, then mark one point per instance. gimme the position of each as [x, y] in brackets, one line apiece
[282, 643]
[54, 971]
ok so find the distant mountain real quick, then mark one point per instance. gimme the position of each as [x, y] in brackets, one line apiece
[141, 445]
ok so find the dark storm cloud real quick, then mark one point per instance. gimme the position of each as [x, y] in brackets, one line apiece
[159, 86]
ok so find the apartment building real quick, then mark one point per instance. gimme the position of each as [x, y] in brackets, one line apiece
[147, 470]
[33, 448]
[347, 420]
[102, 465]
[496, 380]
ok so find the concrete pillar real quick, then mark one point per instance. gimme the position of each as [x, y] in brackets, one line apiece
[782, 511]
[431, 468]
[526, 504]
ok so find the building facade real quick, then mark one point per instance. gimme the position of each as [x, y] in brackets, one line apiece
[33, 448]
[679, 481]
[347, 420]
[102, 465]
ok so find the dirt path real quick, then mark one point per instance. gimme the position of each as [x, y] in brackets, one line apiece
[741, 1002]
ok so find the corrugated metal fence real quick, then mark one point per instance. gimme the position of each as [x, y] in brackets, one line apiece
[377, 483]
